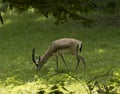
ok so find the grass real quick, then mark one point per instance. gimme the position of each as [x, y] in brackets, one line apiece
[21, 33]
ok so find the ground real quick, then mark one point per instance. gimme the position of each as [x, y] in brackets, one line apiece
[21, 33]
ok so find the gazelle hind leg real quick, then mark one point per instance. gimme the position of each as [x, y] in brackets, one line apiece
[78, 61]
[83, 60]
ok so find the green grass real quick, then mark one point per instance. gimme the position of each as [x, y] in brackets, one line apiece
[21, 33]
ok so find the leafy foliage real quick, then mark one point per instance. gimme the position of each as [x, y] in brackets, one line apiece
[12, 80]
[64, 9]
[106, 88]
[61, 87]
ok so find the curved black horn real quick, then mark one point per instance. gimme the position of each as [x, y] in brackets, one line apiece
[33, 55]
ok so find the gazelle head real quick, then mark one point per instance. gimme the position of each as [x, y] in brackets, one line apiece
[37, 62]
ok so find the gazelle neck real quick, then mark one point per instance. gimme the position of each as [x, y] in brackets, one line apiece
[45, 56]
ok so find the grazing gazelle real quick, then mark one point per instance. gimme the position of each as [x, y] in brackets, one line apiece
[57, 48]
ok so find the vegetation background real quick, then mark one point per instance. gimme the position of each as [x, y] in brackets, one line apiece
[101, 50]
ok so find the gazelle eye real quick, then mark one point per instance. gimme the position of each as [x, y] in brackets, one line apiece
[37, 65]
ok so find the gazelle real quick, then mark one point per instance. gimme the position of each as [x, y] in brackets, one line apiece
[57, 48]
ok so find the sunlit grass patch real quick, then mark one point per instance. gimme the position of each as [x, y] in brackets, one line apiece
[28, 88]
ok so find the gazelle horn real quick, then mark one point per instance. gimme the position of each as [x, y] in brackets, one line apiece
[33, 55]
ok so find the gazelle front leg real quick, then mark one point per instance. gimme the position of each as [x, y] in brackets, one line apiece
[57, 57]
[63, 60]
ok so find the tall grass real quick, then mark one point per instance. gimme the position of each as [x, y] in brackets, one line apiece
[21, 33]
